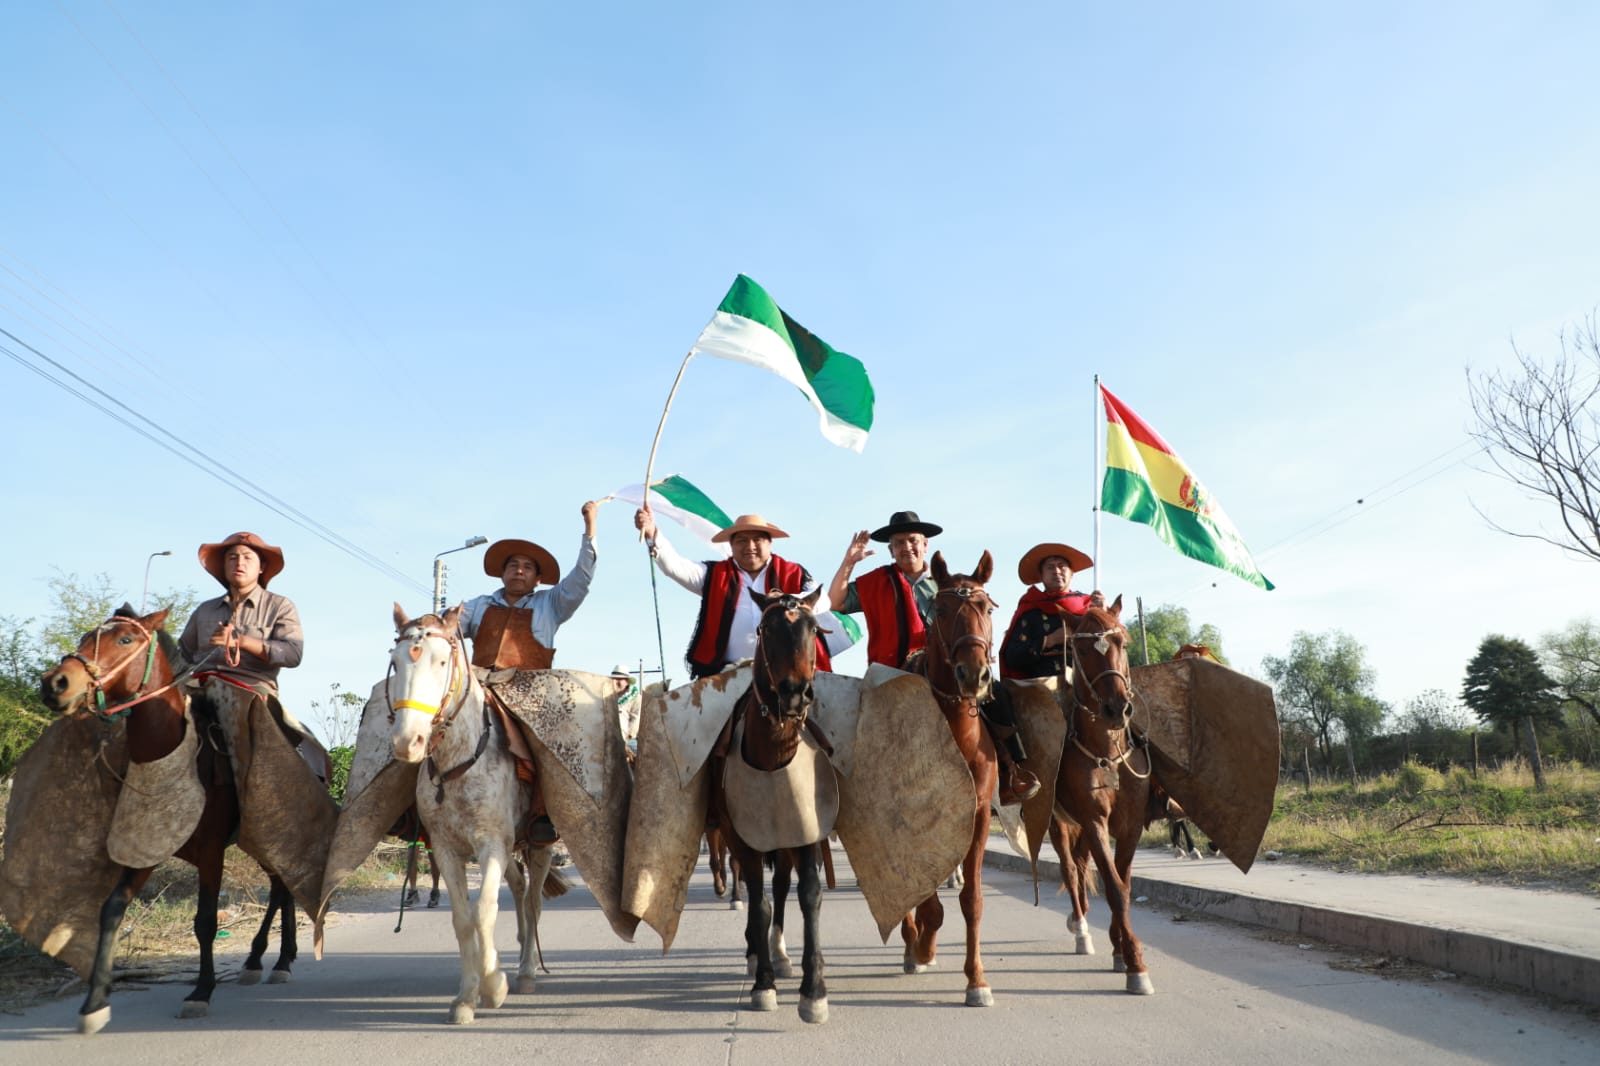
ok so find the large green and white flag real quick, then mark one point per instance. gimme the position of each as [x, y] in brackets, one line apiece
[750, 328]
[675, 498]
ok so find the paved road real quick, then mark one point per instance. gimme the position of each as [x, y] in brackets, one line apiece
[1225, 995]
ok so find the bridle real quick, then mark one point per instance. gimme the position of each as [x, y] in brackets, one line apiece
[459, 684]
[98, 679]
[974, 598]
[767, 694]
[1089, 699]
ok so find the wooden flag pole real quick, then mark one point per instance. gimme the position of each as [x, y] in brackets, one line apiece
[649, 472]
[1095, 423]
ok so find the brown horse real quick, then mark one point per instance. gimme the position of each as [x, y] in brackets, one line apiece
[123, 668]
[1103, 787]
[956, 665]
[774, 713]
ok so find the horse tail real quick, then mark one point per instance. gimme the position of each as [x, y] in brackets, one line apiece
[555, 886]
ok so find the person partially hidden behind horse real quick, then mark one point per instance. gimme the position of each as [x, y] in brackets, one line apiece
[1035, 642]
[247, 634]
[725, 632]
[514, 627]
[897, 599]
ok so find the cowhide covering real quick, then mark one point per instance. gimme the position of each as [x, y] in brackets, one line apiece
[286, 817]
[1038, 706]
[790, 807]
[56, 873]
[160, 804]
[1215, 733]
[905, 795]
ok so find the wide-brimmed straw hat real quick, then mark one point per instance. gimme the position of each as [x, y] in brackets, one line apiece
[748, 523]
[271, 557]
[1028, 568]
[621, 671]
[905, 522]
[501, 551]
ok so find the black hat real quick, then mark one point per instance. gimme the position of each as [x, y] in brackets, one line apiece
[905, 522]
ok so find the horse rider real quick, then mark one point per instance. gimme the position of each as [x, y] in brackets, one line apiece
[514, 627]
[725, 632]
[628, 701]
[248, 633]
[1035, 642]
[897, 599]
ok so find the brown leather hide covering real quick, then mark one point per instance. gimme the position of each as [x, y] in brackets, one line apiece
[160, 806]
[1043, 725]
[56, 874]
[286, 817]
[505, 641]
[365, 819]
[1215, 733]
[790, 807]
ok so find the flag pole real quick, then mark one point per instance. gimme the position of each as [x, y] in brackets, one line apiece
[1097, 475]
[649, 472]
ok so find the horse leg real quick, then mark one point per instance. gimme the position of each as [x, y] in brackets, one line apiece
[251, 973]
[717, 862]
[96, 1009]
[813, 989]
[978, 993]
[735, 879]
[289, 940]
[525, 875]
[920, 931]
[492, 982]
[764, 991]
[1075, 879]
[208, 866]
[1132, 951]
[433, 870]
[454, 869]
[782, 868]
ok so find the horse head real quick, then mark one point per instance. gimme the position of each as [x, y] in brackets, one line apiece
[428, 679]
[962, 634]
[786, 654]
[114, 662]
[1100, 663]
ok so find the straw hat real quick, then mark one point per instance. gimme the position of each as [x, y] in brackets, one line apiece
[748, 523]
[271, 557]
[1028, 568]
[621, 672]
[501, 551]
[905, 522]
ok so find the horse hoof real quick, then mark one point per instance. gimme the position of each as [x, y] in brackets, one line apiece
[1084, 945]
[783, 968]
[980, 997]
[461, 1013]
[278, 977]
[249, 977]
[814, 1011]
[91, 1023]
[736, 905]
[723, 891]
[912, 966]
[492, 990]
[524, 985]
[764, 999]
[194, 1008]
[1139, 984]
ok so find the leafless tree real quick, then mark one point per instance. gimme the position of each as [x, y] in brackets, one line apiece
[1540, 426]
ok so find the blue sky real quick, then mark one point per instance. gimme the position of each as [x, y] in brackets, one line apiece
[426, 273]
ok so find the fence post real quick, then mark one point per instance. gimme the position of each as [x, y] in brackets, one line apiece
[1305, 753]
[1474, 754]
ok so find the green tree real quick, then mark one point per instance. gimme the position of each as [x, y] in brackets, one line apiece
[1325, 687]
[83, 603]
[23, 715]
[1574, 658]
[1166, 629]
[1506, 687]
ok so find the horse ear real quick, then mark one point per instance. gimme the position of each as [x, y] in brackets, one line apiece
[157, 620]
[811, 600]
[985, 569]
[1116, 608]
[452, 618]
[941, 572]
[400, 618]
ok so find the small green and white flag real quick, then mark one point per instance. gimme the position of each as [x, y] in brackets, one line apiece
[750, 328]
[677, 499]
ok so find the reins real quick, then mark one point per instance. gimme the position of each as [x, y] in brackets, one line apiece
[97, 680]
[966, 594]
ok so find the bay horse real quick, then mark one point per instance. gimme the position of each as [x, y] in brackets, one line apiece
[1103, 788]
[956, 665]
[469, 798]
[774, 713]
[123, 669]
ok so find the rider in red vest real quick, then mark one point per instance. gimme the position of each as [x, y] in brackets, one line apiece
[1035, 642]
[897, 599]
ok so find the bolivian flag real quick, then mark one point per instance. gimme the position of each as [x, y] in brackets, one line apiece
[1147, 482]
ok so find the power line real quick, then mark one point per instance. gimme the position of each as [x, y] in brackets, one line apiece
[197, 458]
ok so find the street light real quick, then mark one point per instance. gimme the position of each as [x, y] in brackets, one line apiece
[438, 569]
[146, 593]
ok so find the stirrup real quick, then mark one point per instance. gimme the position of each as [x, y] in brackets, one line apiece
[1020, 784]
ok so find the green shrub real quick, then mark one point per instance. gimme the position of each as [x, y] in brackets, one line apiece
[1413, 779]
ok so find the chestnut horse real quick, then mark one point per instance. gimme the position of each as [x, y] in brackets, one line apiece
[774, 712]
[956, 665]
[123, 668]
[469, 799]
[1103, 787]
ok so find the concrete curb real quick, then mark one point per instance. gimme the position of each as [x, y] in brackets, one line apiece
[1543, 971]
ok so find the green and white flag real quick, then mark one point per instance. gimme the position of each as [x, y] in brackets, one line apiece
[750, 328]
[677, 499]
